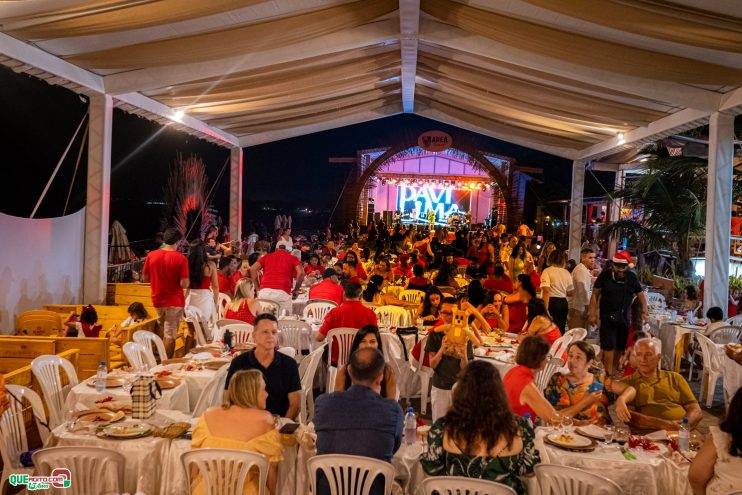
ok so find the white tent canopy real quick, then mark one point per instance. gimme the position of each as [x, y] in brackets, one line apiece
[579, 79]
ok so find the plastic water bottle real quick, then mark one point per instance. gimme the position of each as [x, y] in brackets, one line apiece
[684, 436]
[410, 426]
[690, 317]
[100, 377]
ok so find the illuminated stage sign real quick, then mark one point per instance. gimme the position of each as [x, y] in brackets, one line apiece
[416, 202]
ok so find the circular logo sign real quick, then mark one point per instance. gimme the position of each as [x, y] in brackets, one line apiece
[434, 141]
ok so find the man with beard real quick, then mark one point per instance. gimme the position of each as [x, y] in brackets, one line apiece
[611, 302]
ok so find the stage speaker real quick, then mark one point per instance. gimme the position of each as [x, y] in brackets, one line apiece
[388, 217]
[371, 209]
[377, 216]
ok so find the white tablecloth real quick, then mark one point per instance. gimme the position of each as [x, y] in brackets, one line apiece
[670, 335]
[731, 373]
[650, 474]
[84, 396]
[195, 381]
[145, 457]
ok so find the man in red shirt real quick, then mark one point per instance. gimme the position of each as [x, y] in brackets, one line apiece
[498, 281]
[227, 267]
[279, 269]
[350, 272]
[167, 271]
[350, 314]
[329, 288]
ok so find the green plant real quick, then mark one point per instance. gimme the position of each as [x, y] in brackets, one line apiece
[735, 282]
[645, 275]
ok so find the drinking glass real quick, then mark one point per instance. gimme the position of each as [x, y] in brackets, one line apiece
[607, 435]
[555, 423]
[126, 386]
[621, 434]
[71, 419]
[567, 425]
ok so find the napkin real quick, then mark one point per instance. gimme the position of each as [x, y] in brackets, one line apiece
[657, 436]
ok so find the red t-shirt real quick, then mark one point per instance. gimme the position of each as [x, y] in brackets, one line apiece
[535, 279]
[515, 381]
[165, 270]
[350, 314]
[398, 270]
[279, 269]
[226, 284]
[355, 280]
[736, 226]
[502, 285]
[518, 316]
[243, 314]
[309, 269]
[236, 277]
[327, 289]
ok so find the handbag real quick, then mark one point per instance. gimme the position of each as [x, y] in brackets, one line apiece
[144, 394]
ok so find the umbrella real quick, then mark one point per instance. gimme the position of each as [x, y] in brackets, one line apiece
[118, 249]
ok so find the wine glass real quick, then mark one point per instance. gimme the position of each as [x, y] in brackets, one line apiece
[555, 423]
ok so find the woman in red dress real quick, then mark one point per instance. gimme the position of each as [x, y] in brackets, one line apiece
[539, 323]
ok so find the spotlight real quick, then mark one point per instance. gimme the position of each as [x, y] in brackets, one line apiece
[472, 185]
[179, 114]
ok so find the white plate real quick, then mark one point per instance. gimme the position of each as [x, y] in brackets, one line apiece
[126, 431]
[575, 440]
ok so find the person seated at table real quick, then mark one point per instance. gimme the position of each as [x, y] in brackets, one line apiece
[329, 289]
[359, 421]
[418, 281]
[523, 396]
[565, 391]
[446, 276]
[368, 337]
[83, 325]
[373, 295]
[498, 281]
[280, 372]
[350, 272]
[495, 311]
[663, 398]
[479, 436]
[539, 323]
[244, 306]
[350, 314]
[688, 300]
[383, 270]
[716, 320]
[717, 468]
[403, 268]
[429, 310]
[241, 423]
[360, 271]
[313, 267]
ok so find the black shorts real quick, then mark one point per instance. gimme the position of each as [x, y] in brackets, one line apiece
[613, 335]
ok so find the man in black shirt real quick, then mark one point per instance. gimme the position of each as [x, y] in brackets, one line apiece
[280, 372]
[613, 292]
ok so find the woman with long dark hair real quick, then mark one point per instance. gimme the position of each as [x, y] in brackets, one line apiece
[539, 323]
[718, 466]
[480, 437]
[430, 306]
[203, 292]
[368, 336]
[518, 303]
[372, 294]
[446, 276]
[517, 262]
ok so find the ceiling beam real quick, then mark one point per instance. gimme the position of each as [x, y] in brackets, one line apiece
[666, 126]
[447, 119]
[370, 34]
[731, 102]
[409, 24]
[356, 118]
[676, 94]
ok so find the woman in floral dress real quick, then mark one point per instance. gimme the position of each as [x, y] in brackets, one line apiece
[480, 437]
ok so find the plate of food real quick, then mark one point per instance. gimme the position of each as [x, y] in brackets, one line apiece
[126, 431]
[111, 381]
[100, 416]
[569, 440]
[735, 347]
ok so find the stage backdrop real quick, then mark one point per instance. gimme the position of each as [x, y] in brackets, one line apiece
[41, 262]
[422, 199]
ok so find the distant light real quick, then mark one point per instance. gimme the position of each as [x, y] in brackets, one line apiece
[621, 138]
[179, 114]
[645, 159]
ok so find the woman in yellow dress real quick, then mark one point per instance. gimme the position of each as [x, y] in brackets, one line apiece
[241, 423]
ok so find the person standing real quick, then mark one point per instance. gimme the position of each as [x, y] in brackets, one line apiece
[611, 303]
[582, 280]
[556, 286]
[279, 269]
[167, 271]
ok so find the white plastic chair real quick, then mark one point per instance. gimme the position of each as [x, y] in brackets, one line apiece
[241, 332]
[288, 351]
[213, 393]
[138, 357]
[735, 321]
[317, 309]
[424, 373]
[307, 370]
[655, 299]
[411, 295]
[227, 321]
[193, 318]
[222, 302]
[725, 335]
[349, 474]
[225, 471]
[392, 316]
[559, 347]
[576, 334]
[46, 370]
[13, 439]
[453, 485]
[296, 334]
[270, 306]
[344, 338]
[88, 468]
[147, 338]
[542, 377]
[394, 356]
[554, 479]
[711, 368]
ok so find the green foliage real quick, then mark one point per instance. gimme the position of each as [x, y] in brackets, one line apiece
[735, 282]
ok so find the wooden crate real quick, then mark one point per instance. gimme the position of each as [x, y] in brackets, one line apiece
[91, 351]
[15, 354]
[125, 294]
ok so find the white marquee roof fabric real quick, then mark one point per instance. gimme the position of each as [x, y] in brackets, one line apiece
[562, 76]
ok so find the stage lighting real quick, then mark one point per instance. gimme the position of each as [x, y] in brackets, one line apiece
[383, 182]
[472, 184]
[484, 188]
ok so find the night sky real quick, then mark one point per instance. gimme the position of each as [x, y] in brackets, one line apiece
[39, 120]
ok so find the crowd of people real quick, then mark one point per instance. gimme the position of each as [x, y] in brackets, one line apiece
[482, 423]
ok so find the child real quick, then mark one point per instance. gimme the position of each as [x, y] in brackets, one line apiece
[137, 314]
[83, 325]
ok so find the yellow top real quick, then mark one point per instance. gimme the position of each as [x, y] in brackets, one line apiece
[268, 444]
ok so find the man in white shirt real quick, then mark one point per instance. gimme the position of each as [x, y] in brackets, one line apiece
[582, 280]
